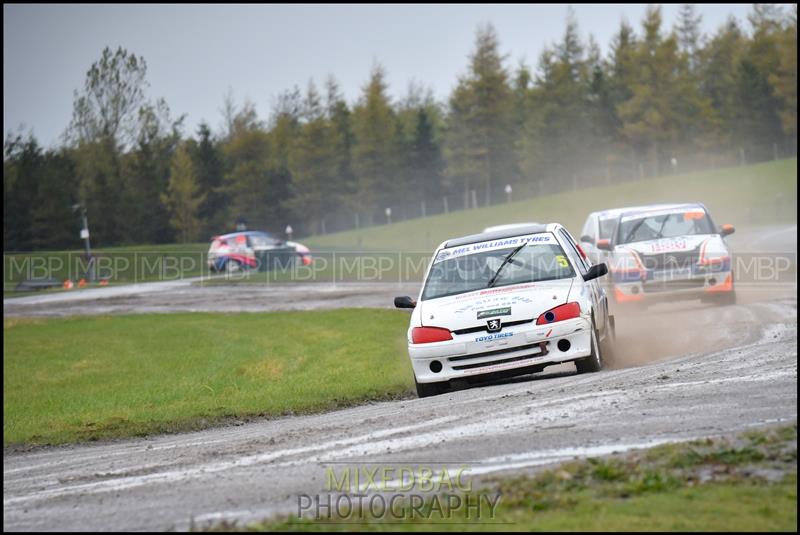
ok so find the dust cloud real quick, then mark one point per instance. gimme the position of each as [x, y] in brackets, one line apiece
[677, 328]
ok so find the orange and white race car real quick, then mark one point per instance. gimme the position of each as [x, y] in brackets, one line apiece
[666, 251]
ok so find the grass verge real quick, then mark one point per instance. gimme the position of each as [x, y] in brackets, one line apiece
[335, 267]
[745, 483]
[124, 264]
[89, 378]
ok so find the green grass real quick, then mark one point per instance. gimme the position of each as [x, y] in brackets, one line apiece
[717, 485]
[744, 196]
[88, 378]
[333, 267]
[741, 506]
[123, 264]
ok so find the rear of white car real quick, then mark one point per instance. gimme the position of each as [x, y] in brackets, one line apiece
[506, 303]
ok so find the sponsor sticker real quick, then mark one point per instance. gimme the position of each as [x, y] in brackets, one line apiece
[506, 311]
[491, 337]
[477, 294]
[674, 244]
[531, 239]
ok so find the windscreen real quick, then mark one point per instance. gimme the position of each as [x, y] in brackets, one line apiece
[471, 267]
[665, 225]
[262, 240]
[217, 244]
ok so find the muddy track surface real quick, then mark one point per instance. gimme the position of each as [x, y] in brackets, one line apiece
[243, 297]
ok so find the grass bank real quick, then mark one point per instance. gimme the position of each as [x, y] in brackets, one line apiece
[744, 196]
[335, 267]
[89, 378]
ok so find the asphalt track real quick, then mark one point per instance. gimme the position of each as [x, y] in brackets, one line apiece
[682, 371]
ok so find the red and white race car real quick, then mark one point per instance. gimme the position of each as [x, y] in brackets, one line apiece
[240, 250]
[666, 251]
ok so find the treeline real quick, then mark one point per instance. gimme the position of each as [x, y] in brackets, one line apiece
[658, 100]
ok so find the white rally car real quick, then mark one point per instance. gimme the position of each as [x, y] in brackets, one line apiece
[669, 251]
[599, 226]
[505, 303]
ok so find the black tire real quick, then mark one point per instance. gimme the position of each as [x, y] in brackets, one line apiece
[425, 390]
[233, 266]
[594, 362]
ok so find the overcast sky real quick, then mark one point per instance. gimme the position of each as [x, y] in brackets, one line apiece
[196, 53]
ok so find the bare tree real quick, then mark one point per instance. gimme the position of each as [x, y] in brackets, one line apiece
[228, 112]
[108, 107]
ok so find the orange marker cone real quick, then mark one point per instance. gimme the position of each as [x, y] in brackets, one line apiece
[104, 282]
[82, 283]
[67, 284]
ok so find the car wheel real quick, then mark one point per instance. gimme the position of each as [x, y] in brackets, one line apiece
[594, 362]
[425, 390]
[721, 298]
[233, 266]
